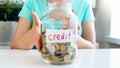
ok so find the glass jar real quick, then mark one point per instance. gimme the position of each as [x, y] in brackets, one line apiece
[58, 33]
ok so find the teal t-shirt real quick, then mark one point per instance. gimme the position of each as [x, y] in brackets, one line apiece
[81, 8]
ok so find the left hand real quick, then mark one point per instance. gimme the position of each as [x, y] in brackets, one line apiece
[36, 29]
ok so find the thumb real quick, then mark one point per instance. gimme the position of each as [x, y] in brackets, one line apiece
[35, 19]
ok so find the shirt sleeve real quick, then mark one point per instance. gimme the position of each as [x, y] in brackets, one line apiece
[26, 9]
[88, 14]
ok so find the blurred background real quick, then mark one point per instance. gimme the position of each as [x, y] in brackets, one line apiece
[9, 10]
[106, 12]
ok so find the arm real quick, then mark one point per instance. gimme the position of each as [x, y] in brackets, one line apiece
[88, 39]
[25, 36]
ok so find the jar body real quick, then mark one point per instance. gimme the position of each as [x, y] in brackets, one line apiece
[58, 33]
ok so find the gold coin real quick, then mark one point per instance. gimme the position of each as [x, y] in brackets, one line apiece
[63, 43]
[48, 58]
[48, 44]
[69, 49]
[67, 58]
[62, 47]
[44, 50]
[43, 44]
[56, 46]
[43, 39]
[55, 59]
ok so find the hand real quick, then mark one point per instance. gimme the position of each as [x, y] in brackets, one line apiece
[36, 29]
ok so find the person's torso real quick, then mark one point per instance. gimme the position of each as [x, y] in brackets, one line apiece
[39, 6]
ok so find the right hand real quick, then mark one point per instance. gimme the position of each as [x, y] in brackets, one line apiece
[36, 29]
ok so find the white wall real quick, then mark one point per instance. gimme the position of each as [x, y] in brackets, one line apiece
[93, 3]
[103, 19]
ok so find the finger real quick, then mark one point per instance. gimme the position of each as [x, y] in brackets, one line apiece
[67, 24]
[73, 11]
[36, 19]
[78, 27]
[39, 46]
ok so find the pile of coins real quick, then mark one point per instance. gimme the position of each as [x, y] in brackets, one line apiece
[57, 53]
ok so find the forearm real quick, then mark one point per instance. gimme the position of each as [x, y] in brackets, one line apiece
[26, 41]
[20, 44]
[84, 44]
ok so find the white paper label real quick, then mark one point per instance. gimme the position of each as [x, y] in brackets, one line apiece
[59, 36]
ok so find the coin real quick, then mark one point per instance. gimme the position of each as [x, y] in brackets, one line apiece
[44, 50]
[48, 44]
[68, 44]
[61, 57]
[43, 40]
[69, 49]
[67, 58]
[73, 56]
[62, 47]
[43, 43]
[56, 46]
[73, 45]
[51, 49]
[55, 59]
[48, 58]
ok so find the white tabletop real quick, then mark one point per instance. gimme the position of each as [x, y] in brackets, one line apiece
[87, 58]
